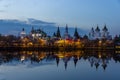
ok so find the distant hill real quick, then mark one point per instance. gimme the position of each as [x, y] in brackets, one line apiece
[8, 26]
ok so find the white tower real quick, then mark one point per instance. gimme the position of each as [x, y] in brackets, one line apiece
[97, 33]
[105, 33]
[92, 34]
[23, 33]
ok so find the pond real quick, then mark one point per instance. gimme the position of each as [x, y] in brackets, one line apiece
[74, 65]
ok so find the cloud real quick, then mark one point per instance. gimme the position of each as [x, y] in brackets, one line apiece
[7, 5]
[1, 11]
[38, 22]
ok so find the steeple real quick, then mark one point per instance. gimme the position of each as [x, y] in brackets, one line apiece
[105, 28]
[97, 29]
[66, 29]
[76, 34]
[58, 33]
[92, 30]
[66, 34]
[23, 34]
[54, 34]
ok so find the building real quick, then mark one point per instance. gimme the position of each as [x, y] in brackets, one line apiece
[23, 33]
[66, 34]
[37, 33]
[99, 34]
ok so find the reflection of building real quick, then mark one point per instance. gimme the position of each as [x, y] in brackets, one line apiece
[94, 61]
[46, 58]
[97, 34]
[38, 33]
[117, 42]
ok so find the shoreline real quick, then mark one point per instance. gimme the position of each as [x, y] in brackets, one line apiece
[51, 48]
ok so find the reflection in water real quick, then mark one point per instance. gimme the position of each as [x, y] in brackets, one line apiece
[97, 59]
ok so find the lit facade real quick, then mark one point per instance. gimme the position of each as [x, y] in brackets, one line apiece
[37, 33]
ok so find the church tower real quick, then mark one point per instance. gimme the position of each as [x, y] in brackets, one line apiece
[23, 33]
[97, 33]
[92, 34]
[66, 34]
[66, 29]
[76, 34]
[33, 32]
[105, 32]
[58, 35]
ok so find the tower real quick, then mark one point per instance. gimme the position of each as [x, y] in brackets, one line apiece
[23, 33]
[66, 34]
[37, 33]
[97, 33]
[76, 34]
[105, 32]
[92, 34]
[58, 33]
[33, 32]
[66, 29]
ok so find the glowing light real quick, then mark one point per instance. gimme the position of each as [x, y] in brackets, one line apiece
[22, 58]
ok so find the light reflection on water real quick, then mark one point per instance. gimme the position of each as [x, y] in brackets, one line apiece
[78, 65]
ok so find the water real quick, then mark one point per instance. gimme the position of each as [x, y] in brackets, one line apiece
[77, 65]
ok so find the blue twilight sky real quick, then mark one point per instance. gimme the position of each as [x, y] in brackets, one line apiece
[81, 13]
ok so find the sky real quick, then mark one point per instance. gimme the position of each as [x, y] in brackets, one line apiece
[81, 13]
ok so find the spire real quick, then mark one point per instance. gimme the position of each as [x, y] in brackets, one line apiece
[92, 29]
[76, 34]
[23, 34]
[97, 29]
[105, 28]
[54, 34]
[58, 33]
[66, 29]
